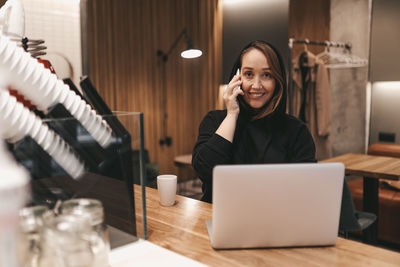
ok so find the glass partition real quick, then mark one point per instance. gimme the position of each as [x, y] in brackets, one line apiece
[65, 161]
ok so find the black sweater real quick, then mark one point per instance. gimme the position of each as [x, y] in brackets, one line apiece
[277, 138]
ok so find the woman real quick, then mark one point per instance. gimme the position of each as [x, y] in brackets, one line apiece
[254, 128]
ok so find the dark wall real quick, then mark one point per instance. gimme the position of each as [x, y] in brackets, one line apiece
[385, 40]
[385, 71]
[245, 21]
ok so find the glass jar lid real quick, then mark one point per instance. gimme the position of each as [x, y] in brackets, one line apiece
[92, 208]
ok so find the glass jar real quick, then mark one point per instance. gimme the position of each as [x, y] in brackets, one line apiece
[66, 242]
[93, 210]
[31, 225]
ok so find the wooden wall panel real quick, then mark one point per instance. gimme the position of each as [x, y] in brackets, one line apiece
[309, 19]
[124, 36]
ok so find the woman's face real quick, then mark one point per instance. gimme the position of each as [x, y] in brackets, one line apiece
[258, 84]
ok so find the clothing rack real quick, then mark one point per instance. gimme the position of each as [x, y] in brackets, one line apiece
[293, 41]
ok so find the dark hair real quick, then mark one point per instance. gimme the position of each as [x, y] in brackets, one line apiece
[278, 99]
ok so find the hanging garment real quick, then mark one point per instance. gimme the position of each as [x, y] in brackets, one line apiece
[311, 100]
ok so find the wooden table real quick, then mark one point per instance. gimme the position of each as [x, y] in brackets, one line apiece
[183, 160]
[182, 229]
[185, 173]
[371, 168]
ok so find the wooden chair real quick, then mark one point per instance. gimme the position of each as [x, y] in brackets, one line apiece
[352, 220]
[389, 197]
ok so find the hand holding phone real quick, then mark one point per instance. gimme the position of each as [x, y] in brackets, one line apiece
[233, 89]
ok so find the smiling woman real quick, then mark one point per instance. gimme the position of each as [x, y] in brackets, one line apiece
[254, 128]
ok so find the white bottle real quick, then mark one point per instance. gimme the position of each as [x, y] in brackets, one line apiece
[14, 193]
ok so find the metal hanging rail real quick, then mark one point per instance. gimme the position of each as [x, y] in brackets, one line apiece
[326, 43]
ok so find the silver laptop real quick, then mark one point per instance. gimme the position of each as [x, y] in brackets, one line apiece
[276, 205]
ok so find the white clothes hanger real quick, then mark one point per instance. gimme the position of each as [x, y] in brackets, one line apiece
[340, 58]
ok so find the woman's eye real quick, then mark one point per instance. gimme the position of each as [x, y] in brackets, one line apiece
[267, 75]
[248, 74]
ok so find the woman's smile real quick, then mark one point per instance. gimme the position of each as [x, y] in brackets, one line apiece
[255, 94]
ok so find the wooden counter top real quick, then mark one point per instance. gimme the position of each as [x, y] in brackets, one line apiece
[182, 229]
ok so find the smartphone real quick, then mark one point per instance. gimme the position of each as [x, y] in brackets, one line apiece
[238, 73]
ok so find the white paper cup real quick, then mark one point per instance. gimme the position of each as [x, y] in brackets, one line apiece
[166, 185]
